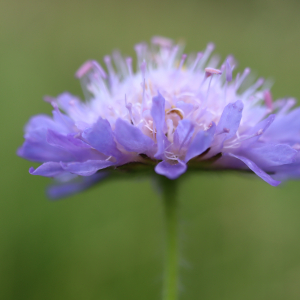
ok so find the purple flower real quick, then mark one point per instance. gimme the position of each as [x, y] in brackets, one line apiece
[176, 112]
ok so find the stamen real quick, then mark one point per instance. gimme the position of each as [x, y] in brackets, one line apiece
[183, 58]
[240, 80]
[199, 56]
[173, 56]
[85, 68]
[209, 49]
[268, 99]
[109, 66]
[129, 65]
[228, 71]
[185, 138]
[129, 107]
[119, 63]
[112, 76]
[260, 132]
[253, 88]
[162, 41]
[88, 66]
[140, 50]
[209, 72]
[143, 70]
[177, 111]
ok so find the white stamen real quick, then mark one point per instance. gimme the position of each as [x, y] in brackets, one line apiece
[240, 80]
[199, 56]
[129, 65]
[143, 69]
[183, 58]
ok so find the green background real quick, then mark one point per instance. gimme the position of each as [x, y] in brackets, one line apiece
[240, 237]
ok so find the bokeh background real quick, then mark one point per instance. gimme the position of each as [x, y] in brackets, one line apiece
[240, 237]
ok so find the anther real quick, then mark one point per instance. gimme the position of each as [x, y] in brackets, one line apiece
[211, 71]
[87, 67]
[260, 132]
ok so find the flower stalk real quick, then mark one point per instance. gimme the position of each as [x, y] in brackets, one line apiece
[170, 284]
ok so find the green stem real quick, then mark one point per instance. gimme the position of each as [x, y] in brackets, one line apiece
[170, 289]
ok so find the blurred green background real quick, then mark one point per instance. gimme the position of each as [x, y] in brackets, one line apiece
[240, 237]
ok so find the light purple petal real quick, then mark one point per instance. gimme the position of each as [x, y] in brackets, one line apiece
[78, 150]
[185, 107]
[230, 119]
[158, 115]
[259, 172]
[66, 189]
[48, 169]
[36, 148]
[285, 128]
[101, 137]
[41, 121]
[170, 171]
[183, 133]
[86, 168]
[65, 123]
[132, 138]
[201, 142]
[258, 130]
[272, 155]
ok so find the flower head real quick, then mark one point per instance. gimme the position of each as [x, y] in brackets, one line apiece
[175, 112]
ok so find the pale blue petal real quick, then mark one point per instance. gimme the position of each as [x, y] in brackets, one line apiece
[171, 171]
[158, 115]
[132, 138]
[258, 171]
[201, 142]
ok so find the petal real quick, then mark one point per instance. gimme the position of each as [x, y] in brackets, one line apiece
[78, 150]
[101, 137]
[285, 128]
[201, 142]
[40, 121]
[183, 133]
[86, 168]
[158, 115]
[170, 171]
[259, 172]
[185, 107]
[65, 123]
[48, 169]
[37, 149]
[272, 155]
[230, 119]
[258, 130]
[57, 191]
[132, 138]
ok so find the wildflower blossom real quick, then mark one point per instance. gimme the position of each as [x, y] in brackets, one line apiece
[175, 112]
